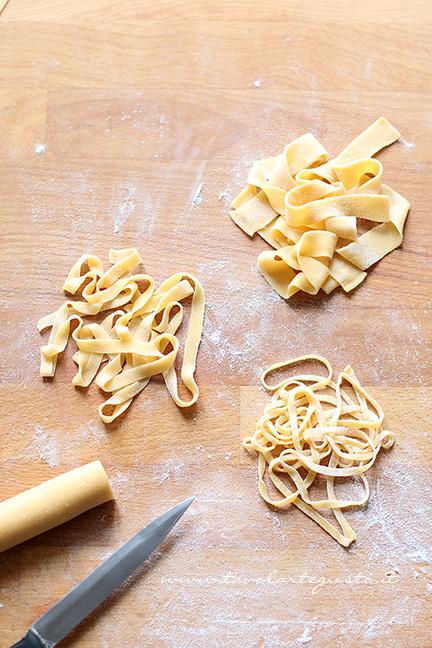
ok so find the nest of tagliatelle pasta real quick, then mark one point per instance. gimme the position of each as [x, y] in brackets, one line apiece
[309, 208]
[137, 338]
[317, 428]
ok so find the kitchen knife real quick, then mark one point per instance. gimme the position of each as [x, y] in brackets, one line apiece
[65, 615]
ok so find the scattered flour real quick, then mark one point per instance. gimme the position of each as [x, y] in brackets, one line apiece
[123, 206]
[194, 200]
[47, 446]
[120, 483]
[212, 269]
[92, 432]
[40, 149]
[407, 145]
[72, 194]
[198, 195]
[306, 636]
[170, 470]
[369, 68]
[120, 478]
[149, 215]
[58, 449]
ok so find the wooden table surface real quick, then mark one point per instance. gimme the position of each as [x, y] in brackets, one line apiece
[113, 116]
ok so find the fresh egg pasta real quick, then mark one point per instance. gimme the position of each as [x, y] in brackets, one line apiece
[135, 340]
[317, 428]
[307, 207]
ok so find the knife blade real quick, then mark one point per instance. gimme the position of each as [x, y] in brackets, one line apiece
[65, 615]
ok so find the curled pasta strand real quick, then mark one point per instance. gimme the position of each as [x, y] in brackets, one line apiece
[319, 381]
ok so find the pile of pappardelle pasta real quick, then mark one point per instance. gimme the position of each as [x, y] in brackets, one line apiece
[317, 428]
[307, 207]
[138, 336]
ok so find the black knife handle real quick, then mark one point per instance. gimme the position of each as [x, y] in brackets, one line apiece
[31, 640]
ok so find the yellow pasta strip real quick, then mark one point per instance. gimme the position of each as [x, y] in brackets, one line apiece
[244, 196]
[363, 175]
[58, 339]
[345, 274]
[120, 401]
[280, 175]
[254, 215]
[89, 363]
[268, 234]
[310, 256]
[276, 271]
[191, 348]
[122, 264]
[284, 233]
[377, 136]
[379, 241]
[306, 192]
[3, 4]
[315, 425]
[113, 376]
[374, 208]
[76, 277]
[345, 227]
[110, 346]
[262, 170]
[303, 152]
[275, 197]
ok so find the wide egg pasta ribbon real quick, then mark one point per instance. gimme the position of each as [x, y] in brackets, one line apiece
[136, 340]
[317, 428]
[295, 198]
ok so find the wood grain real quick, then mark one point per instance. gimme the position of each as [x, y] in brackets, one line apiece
[139, 103]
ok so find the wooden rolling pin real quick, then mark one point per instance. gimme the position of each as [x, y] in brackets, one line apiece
[55, 501]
